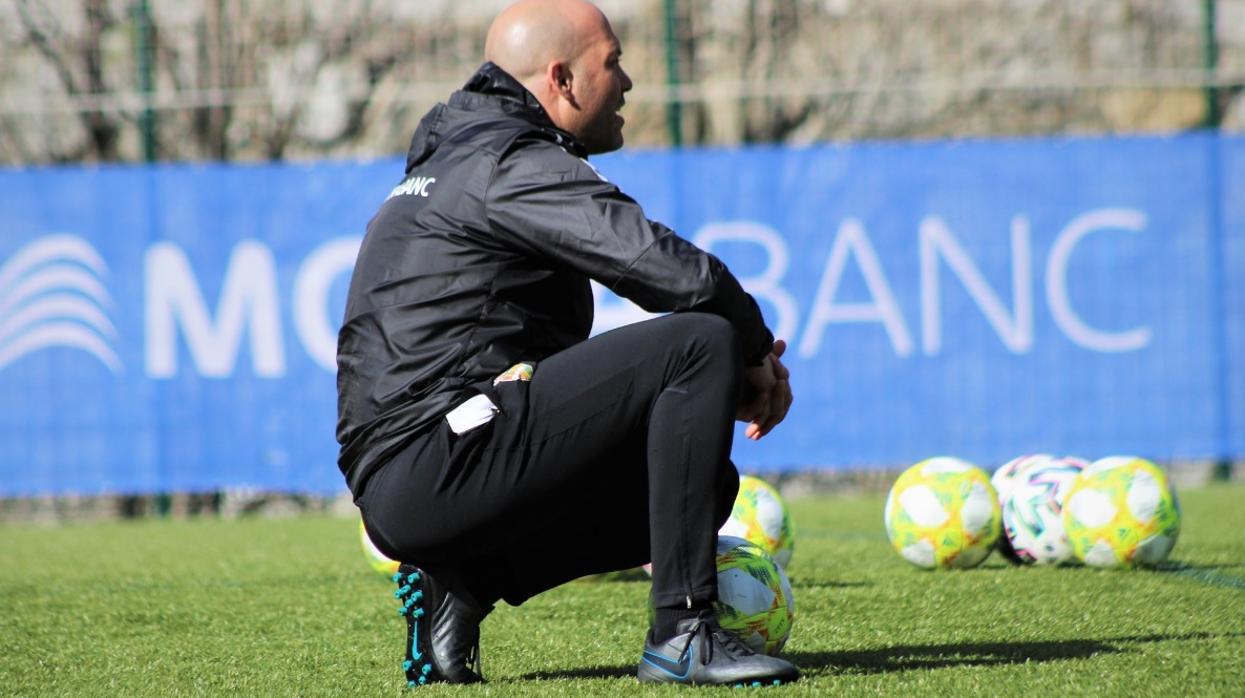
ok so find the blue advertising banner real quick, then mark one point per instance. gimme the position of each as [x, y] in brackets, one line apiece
[173, 327]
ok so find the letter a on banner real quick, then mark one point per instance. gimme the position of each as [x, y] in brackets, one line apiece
[853, 240]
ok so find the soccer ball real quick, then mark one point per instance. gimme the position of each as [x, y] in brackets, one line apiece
[760, 516]
[1121, 512]
[943, 513]
[754, 595]
[1006, 474]
[375, 558]
[1033, 512]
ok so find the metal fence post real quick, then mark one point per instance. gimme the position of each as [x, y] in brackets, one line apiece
[144, 48]
[1210, 63]
[674, 108]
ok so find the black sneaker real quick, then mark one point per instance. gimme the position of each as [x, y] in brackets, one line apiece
[701, 652]
[442, 630]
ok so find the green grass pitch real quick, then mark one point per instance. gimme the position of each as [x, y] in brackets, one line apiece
[288, 607]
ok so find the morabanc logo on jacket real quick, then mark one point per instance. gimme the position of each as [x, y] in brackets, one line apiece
[412, 186]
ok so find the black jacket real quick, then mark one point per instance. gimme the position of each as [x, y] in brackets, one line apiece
[481, 257]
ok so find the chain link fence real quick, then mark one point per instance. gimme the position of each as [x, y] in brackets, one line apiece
[133, 80]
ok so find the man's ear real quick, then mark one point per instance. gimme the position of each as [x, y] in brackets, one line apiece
[561, 80]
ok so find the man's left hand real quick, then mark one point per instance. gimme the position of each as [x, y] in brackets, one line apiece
[772, 388]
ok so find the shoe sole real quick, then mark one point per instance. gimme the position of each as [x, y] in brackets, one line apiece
[754, 683]
[416, 665]
[646, 675]
[761, 684]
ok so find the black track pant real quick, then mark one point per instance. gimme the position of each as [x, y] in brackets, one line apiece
[616, 452]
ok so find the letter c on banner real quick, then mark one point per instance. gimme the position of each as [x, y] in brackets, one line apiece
[311, 302]
[1057, 281]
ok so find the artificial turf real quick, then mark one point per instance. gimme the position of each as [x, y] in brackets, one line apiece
[289, 607]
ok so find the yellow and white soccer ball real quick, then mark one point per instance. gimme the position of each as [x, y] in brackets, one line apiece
[755, 600]
[943, 513]
[1122, 512]
[760, 516]
[375, 558]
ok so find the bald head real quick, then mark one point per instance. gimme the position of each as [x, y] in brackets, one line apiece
[530, 34]
[565, 53]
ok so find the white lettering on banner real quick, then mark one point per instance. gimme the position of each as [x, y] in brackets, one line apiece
[767, 285]
[316, 329]
[937, 241]
[249, 303]
[248, 292]
[852, 239]
[1057, 281]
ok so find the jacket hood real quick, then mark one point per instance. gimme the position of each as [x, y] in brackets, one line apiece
[490, 93]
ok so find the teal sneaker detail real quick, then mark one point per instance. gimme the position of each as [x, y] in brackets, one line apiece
[416, 665]
[442, 630]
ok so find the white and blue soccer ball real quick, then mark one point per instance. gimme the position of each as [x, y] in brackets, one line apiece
[1005, 475]
[1033, 530]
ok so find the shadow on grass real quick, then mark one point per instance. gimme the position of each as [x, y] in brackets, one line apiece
[595, 672]
[1207, 574]
[910, 657]
[1177, 566]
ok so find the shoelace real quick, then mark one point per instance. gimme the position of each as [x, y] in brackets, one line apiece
[732, 644]
[707, 633]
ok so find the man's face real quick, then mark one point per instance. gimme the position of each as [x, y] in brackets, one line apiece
[599, 86]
